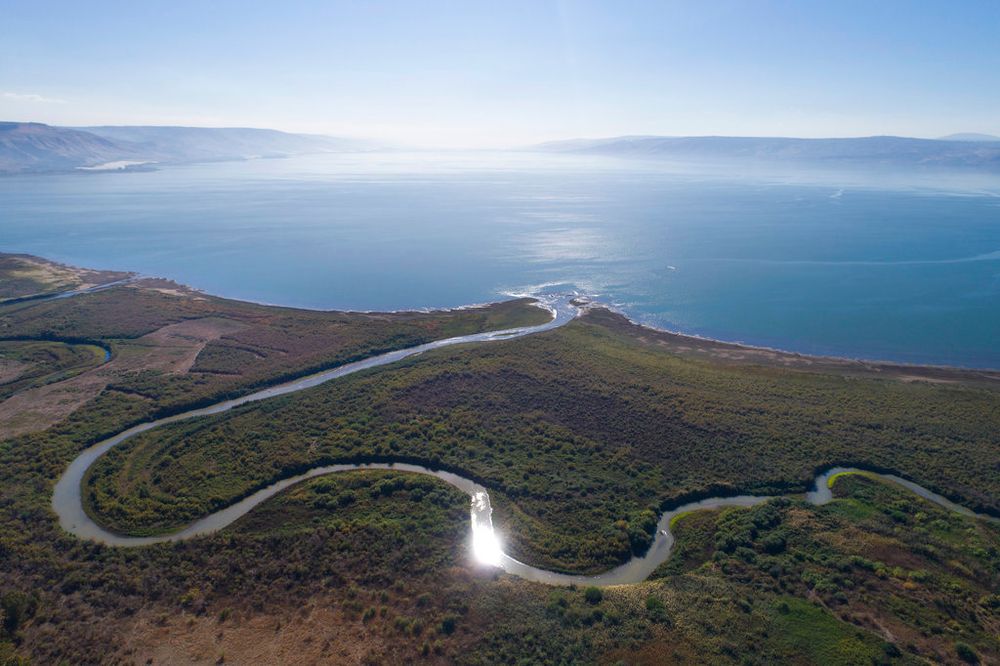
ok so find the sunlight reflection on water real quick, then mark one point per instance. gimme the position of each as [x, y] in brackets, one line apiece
[486, 545]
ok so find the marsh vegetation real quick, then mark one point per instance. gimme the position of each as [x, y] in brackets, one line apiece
[582, 434]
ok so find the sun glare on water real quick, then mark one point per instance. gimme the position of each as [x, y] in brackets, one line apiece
[485, 543]
[486, 547]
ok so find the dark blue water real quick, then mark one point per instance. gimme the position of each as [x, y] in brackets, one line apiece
[862, 264]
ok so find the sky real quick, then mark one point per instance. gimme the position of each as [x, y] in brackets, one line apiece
[464, 73]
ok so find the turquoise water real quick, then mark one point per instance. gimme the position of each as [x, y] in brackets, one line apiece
[863, 264]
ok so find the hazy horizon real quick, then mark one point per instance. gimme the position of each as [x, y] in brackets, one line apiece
[430, 147]
[481, 76]
[949, 135]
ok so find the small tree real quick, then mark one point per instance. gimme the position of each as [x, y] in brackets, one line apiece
[657, 610]
[15, 608]
[966, 653]
[593, 595]
[448, 625]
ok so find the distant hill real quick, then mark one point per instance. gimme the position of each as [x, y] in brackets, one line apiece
[969, 136]
[187, 144]
[889, 150]
[34, 147]
[39, 148]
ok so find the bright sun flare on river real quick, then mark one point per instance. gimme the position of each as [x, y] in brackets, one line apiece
[486, 546]
[485, 543]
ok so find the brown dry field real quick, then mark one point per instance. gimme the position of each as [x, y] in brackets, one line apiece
[171, 349]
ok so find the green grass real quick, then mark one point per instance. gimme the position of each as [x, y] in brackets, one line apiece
[810, 631]
[852, 509]
[833, 479]
[678, 518]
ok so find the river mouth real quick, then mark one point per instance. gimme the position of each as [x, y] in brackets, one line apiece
[486, 545]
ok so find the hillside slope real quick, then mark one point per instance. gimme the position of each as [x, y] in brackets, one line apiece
[34, 147]
[39, 148]
[185, 144]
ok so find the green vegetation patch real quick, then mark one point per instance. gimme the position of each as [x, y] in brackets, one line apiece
[582, 435]
[408, 504]
[894, 576]
[812, 632]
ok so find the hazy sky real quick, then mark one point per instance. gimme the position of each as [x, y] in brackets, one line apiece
[507, 72]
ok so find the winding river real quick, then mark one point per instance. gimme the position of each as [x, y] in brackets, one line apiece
[486, 544]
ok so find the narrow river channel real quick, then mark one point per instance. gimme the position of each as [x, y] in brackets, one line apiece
[487, 547]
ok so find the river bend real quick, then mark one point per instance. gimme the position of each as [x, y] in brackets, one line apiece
[487, 547]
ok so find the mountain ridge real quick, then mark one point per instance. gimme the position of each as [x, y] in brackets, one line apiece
[28, 147]
[872, 149]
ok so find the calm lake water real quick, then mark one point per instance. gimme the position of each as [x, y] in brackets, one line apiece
[862, 264]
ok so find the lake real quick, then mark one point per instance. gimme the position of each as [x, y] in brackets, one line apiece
[898, 266]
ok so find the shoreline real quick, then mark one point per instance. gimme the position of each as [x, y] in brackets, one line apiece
[537, 294]
[790, 352]
[70, 505]
[822, 360]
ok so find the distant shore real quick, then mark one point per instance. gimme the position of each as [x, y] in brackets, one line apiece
[684, 344]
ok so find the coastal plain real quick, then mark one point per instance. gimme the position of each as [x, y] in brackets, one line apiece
[583, 434]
